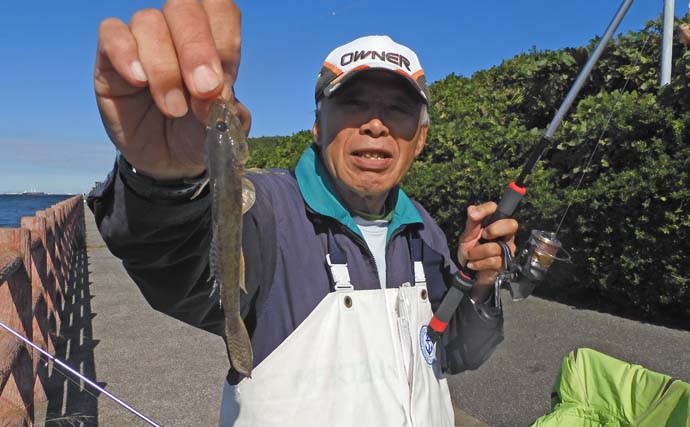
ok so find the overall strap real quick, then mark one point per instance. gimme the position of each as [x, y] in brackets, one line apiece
[337, 265]
[336, 260]
[416, 255]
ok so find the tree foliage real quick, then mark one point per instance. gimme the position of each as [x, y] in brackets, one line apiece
[278, 151]
[625, 141]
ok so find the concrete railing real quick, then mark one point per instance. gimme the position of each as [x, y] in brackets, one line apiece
[35, 265]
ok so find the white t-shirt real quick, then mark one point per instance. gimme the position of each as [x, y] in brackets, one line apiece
[375, 233]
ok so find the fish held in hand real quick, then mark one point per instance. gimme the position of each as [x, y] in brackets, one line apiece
[232, 195]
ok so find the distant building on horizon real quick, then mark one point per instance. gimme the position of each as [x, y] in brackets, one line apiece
[33, 192]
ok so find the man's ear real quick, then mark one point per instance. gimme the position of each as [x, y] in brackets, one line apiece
[315, 131]
[421, 140]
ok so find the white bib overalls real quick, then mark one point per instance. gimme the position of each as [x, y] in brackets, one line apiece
[361, 358]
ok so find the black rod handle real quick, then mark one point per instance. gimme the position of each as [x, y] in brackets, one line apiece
[506, 207]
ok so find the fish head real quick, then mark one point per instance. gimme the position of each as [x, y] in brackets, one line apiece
[224, 119]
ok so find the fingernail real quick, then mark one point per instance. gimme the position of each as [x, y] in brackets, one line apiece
[138, 71]
[174, 100]
[470, 266]
[205, 80]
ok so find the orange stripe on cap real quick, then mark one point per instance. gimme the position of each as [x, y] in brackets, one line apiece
[359, 68]
[343, 76]
[418, 74]
[333, 68]
[402, 72]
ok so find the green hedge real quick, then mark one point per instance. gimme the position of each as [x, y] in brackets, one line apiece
[628, 226]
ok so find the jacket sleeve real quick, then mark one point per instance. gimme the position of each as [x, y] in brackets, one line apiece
[164, 248]
[475, 330]
[472, 335]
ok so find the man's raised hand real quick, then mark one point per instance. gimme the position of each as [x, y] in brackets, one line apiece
[485, 258]
[156, 77]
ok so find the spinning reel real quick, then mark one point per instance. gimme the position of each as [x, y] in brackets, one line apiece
[531, 264]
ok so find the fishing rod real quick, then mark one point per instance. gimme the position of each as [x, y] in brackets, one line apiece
[80, 376]
[541, 249]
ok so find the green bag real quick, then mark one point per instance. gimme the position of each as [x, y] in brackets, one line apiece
[596, 390]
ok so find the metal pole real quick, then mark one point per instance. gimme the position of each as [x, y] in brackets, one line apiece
[78, 375]
[667, 43]
[584, 74]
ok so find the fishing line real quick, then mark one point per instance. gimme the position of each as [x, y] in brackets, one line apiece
[81, 386]
[62, 364]
[59, 371]
[533, 261]
[601, 136]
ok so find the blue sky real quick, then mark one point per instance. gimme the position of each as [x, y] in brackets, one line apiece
[51, 138]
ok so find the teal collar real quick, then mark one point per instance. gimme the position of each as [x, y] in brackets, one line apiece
[319, 193]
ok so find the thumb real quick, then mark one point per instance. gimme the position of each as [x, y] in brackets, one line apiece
[473, 228]
[473, 225]
[245, 116]
[201, 108]
[471, 234]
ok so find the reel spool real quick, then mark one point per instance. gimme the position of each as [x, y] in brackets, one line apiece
[542, 248]
[533, 262]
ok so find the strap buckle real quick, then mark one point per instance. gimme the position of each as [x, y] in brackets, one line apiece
[341, 277]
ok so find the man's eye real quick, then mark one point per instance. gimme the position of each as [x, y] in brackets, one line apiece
[402, 109]
[352, 102]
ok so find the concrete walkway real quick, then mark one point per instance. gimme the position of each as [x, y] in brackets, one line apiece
[174, 373]
[171, 372]
[513, 387]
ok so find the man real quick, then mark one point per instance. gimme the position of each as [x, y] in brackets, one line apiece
[343, 270]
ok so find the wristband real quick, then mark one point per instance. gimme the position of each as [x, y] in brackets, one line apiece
[171, 190]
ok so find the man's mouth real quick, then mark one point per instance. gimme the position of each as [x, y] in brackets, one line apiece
[374, 160]
[373, 155]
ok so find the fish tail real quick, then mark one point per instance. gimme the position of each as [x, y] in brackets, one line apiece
[239, 346]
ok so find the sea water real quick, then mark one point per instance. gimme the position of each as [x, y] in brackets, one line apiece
[15, 206]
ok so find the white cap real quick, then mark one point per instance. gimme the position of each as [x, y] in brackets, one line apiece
[366, 53]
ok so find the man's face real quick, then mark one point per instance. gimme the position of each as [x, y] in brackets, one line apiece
[369, 133]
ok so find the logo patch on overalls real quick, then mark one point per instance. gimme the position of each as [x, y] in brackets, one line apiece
[426, 346]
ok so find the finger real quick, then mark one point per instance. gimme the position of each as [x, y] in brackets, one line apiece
[118, 70]
[486, 277]
[473, 228]
[202, 107]
[475, 216]
[486, 250]
[195, 47]
[494, 263]
[157, 55]
[485, 210]
[245, 117]
[501, 229]
[224, 18]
